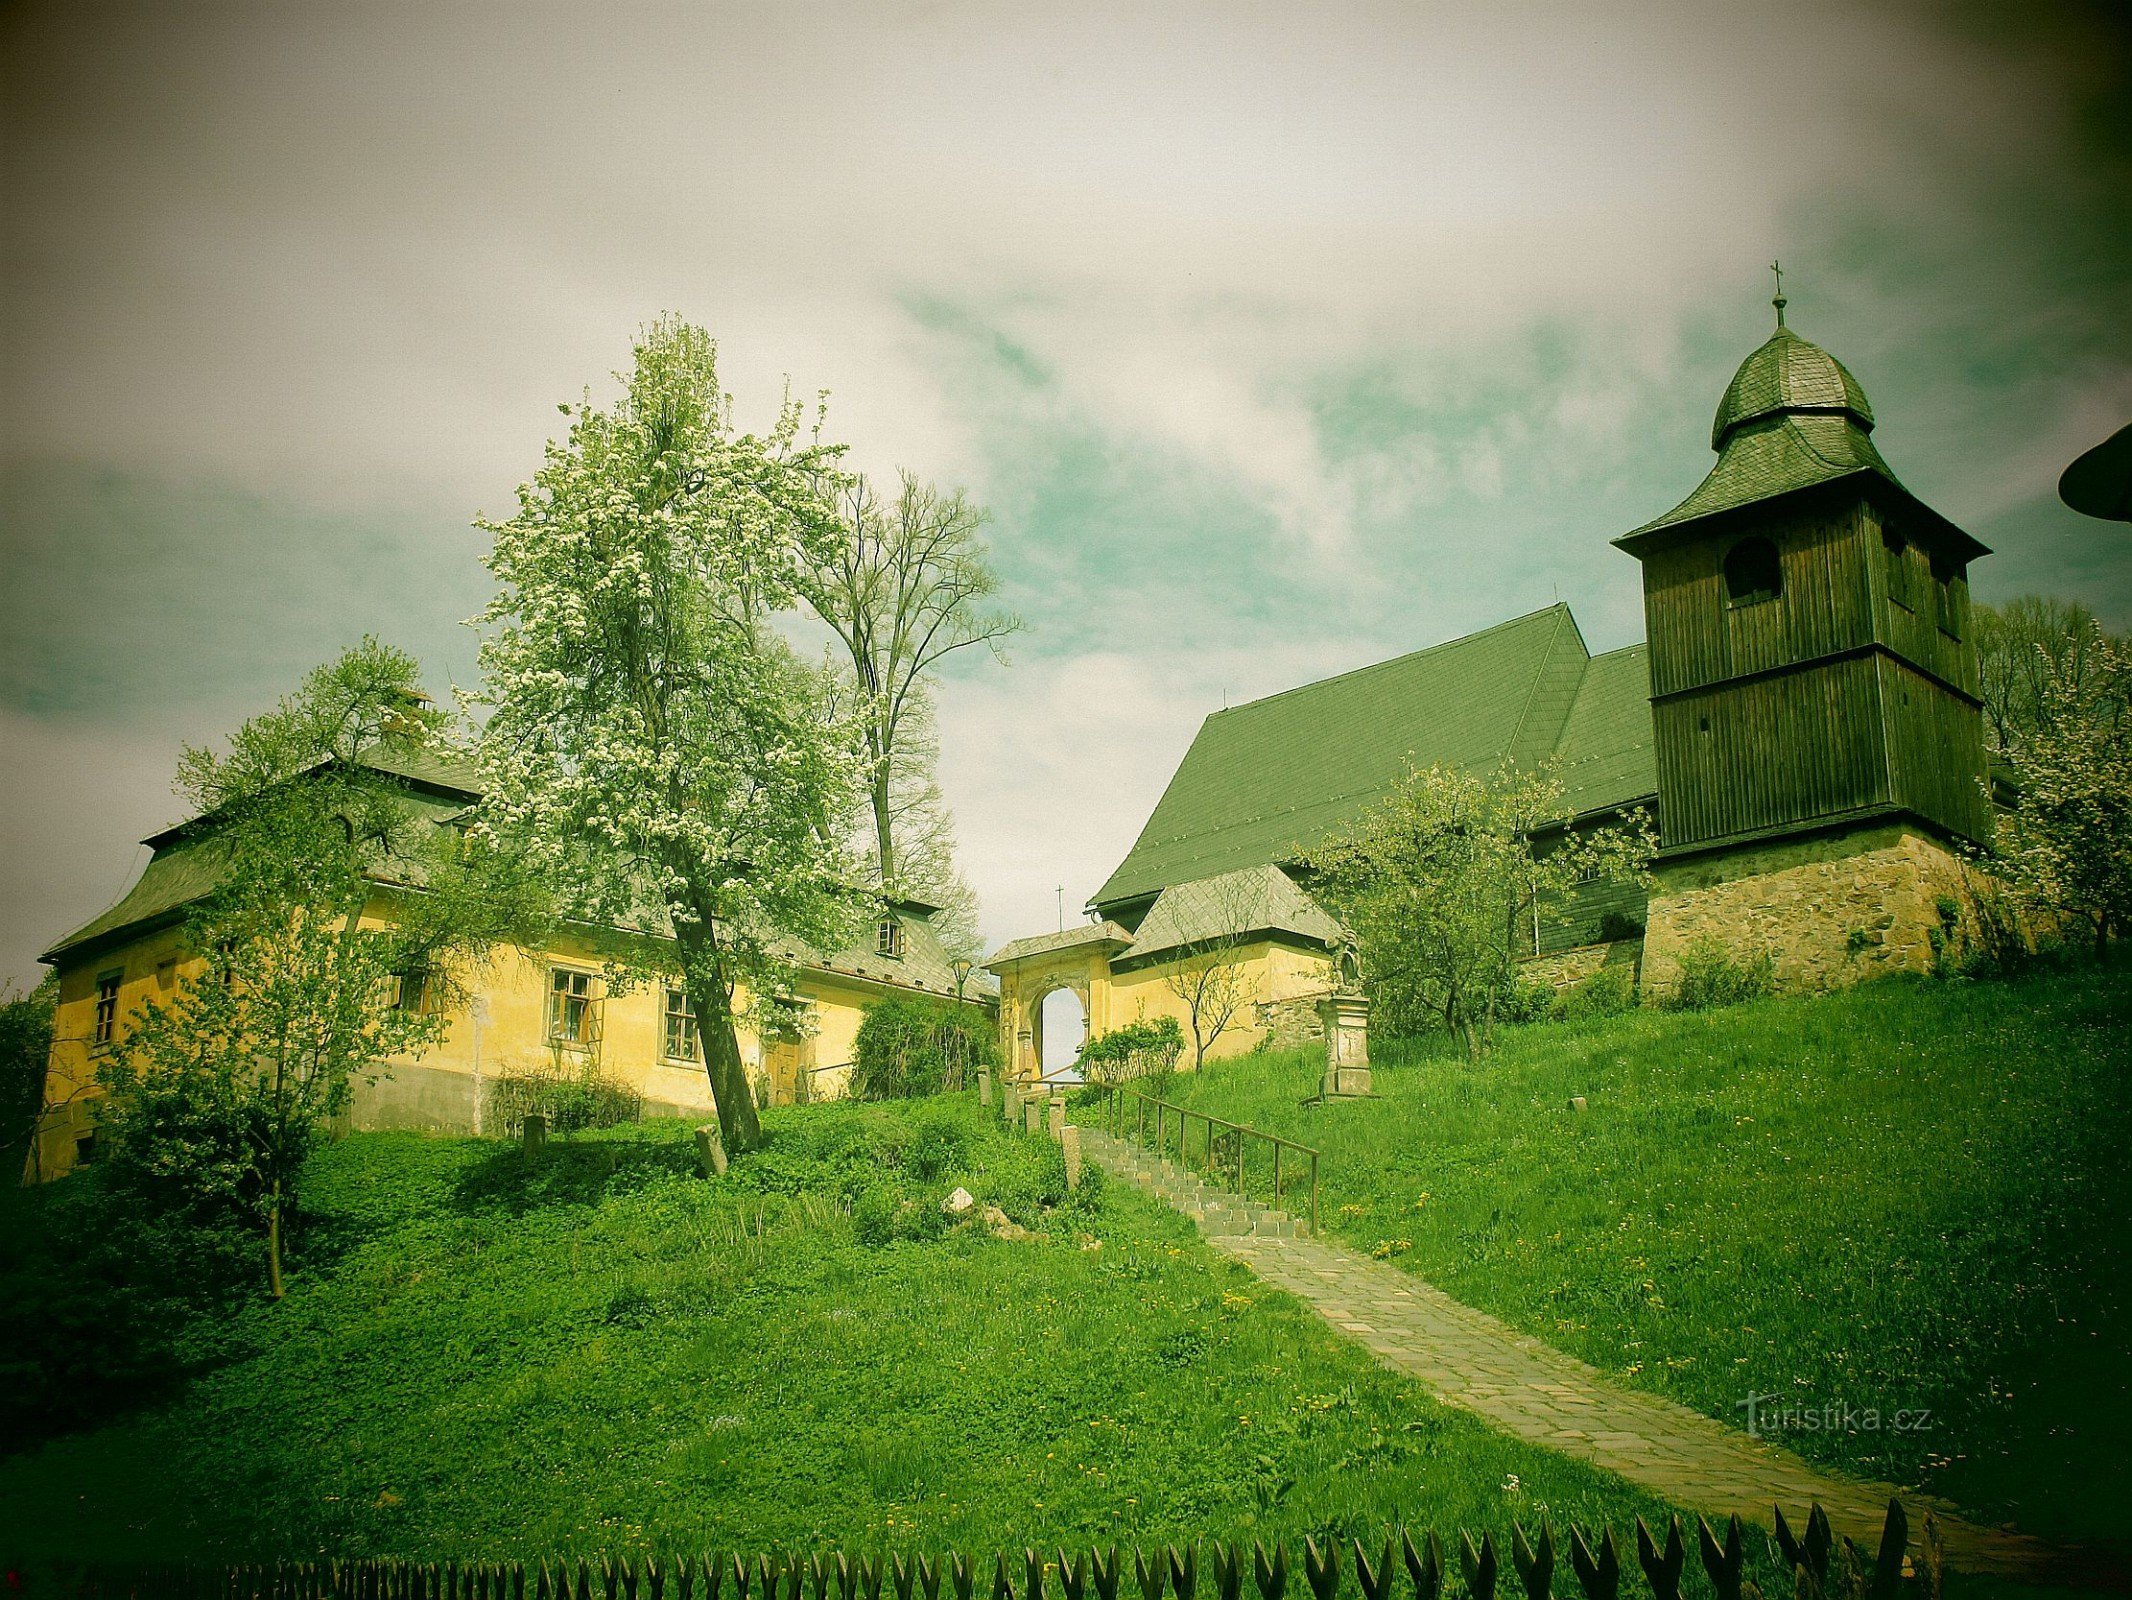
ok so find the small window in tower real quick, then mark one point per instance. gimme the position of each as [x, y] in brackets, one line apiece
[107, 1007]
[1947, 603]
[1897, 549]
[1752, 573]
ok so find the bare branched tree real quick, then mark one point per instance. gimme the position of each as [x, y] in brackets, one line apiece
[906, 588]
[1210, 973]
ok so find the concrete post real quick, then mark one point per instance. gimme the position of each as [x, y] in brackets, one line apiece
[1010, 1101]
[1058, 1121]
[710, 1150]
[1070, 1143]
[535, 1133]
[984, 1086]
[1033, 1115]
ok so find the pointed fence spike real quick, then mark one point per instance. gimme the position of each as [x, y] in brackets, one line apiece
[1073, 1575]
[1375, 1580]
[1148, 1574]
[1321, 1568]
[1228, 1570]
[1269, 1573]
[1184, 1570]
[1888, 1562]
[1479, 1565]
[1104, 1571]
[1033, 1574]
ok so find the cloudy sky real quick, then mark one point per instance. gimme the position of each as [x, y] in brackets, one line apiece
[1278, 339]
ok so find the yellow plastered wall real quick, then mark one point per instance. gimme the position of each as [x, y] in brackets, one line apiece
[1273, 974]
[438, 1089]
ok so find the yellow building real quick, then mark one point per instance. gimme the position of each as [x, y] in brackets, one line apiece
[526, 1013]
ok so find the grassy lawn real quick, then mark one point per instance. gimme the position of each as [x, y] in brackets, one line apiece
[1910, 1198]
[603, 1352]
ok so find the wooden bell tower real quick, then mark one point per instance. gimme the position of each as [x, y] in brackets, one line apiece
[1812, 660]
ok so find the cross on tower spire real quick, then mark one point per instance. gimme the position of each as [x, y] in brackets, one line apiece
[1779, 302]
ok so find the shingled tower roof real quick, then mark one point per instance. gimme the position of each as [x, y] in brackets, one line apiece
[1793, 417]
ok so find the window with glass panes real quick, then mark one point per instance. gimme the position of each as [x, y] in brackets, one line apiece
[680, 1026]
[107, 1007]
[570, 1005]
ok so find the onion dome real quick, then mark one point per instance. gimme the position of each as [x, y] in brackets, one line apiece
[1792, 418]
[1789, 376]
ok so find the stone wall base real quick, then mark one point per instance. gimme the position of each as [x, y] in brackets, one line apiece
[1828, 911]
[1565, 969]
[1291, 1024]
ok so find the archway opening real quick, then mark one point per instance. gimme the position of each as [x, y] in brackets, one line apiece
[1062, 1024]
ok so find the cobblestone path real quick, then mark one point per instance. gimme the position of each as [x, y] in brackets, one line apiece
[1536, 1392]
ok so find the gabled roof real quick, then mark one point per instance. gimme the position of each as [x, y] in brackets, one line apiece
[1266, 782]
[1099, 933]
[1252, 900]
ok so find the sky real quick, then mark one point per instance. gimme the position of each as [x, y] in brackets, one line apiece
[1276, 339]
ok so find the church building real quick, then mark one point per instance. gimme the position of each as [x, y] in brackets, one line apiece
[1802, 724]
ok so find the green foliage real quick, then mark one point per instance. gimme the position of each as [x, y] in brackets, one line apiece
[1440, 881]
[2066, 848]
[1710, 975]
[600, 1351]
[571, 1101]
[1146, 1048]
[1906, 1195]
[25, 1052]
[1606, 993]
[909, 1047]
[227, 1084]
[651, 733]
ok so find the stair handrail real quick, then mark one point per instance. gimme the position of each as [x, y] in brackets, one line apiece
[1116, 1096]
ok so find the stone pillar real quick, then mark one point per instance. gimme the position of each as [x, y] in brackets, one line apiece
[1025, 1055]
[984, 1086]
[1033, 1113]
[535, 1132]
[1058, 1120]
[710, 1150]
[1070, 1143]
[1347, 1047]
[1010, 1101]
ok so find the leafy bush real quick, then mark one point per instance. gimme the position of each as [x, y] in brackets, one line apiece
[937, 1148]
[1521, 1001]
[570, 1101]
[917, 1047]
[1609, 992]
[1710, 976]
[25, 1048]
[1144, 1049]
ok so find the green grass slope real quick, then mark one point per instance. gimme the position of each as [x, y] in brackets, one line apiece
[1911, 1199]
[482, 1359]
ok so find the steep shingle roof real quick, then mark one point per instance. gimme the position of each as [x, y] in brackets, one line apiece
[1265, 782]
[1253, 900]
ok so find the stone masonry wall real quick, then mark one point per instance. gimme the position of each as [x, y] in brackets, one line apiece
[1565, 969]
[1291, 1024]
[1830, 911]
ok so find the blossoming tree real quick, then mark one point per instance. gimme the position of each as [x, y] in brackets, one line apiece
[665, 751]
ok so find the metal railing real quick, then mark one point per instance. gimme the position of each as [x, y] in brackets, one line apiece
[1224, 1150]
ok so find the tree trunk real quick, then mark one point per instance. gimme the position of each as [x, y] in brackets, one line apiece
[274, 1240]
[884, 835]
[707, 998]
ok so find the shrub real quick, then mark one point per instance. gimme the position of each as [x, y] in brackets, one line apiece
[1143, 1049]
[1609, 992]
[1521, 1001]
[939, 1147]
[873, 1215]
[25, 1048]
[915, 1047]
[1710, 976]
[570, 1101]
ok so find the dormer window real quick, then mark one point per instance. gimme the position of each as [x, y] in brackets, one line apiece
[1753, 573]
[888, 938]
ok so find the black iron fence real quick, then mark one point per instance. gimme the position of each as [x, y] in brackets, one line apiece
[1822, 1567]
[1224, 1148]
